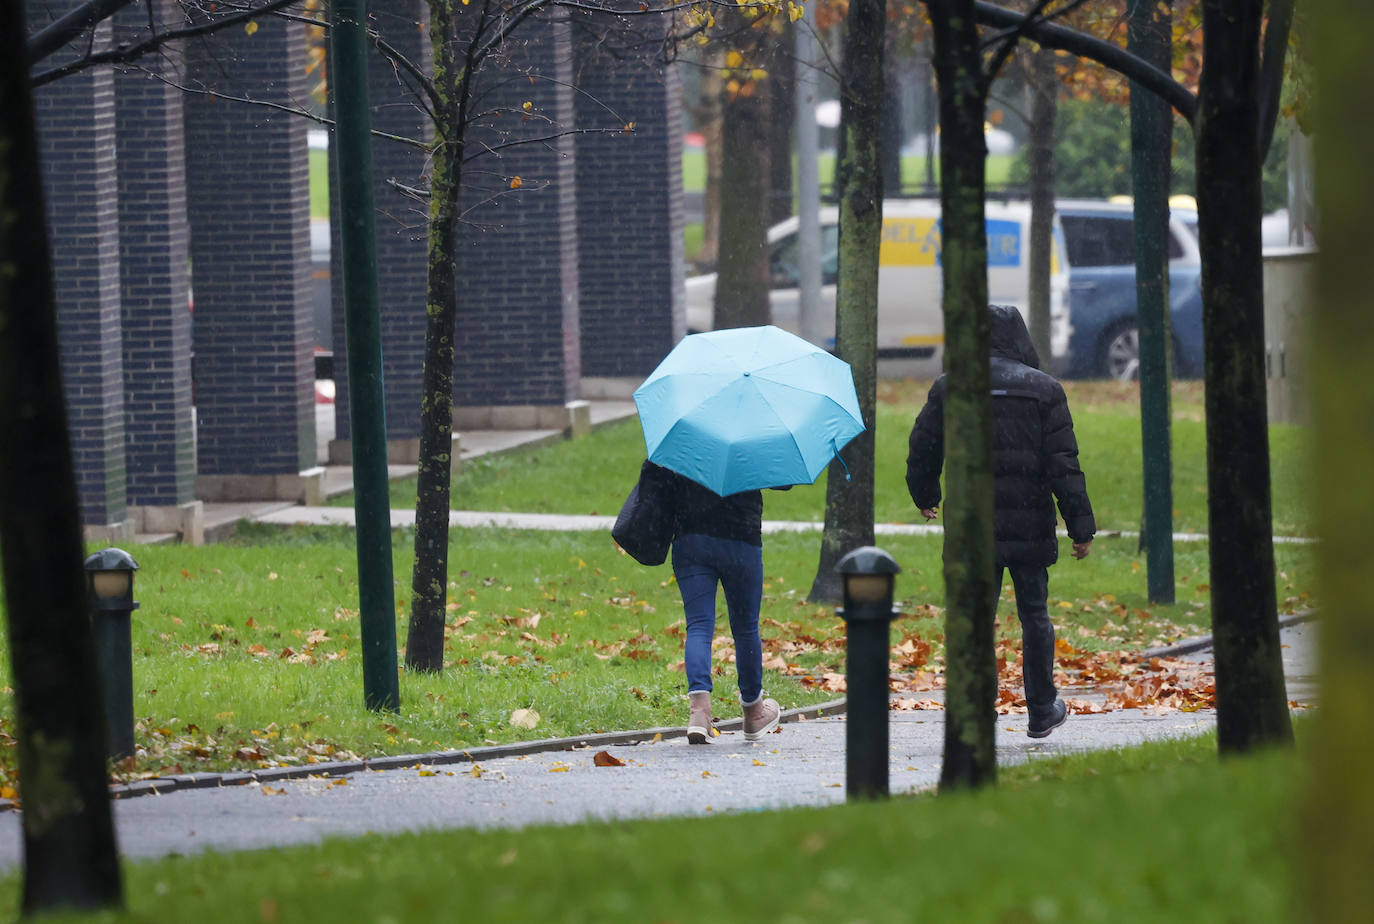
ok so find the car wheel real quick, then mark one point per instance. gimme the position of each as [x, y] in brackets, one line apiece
[1119, 357]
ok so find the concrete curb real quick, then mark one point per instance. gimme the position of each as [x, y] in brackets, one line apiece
[1202, 642]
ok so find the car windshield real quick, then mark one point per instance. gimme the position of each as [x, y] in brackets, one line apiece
[783, 259]
[1107, 240]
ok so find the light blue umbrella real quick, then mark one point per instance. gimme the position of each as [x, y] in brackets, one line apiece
[747, 408]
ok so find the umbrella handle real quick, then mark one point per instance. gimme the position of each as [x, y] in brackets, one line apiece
[840, 459]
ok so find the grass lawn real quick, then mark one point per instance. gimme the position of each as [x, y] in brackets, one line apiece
[319, 183]
[1106, 420]
[1158, 833]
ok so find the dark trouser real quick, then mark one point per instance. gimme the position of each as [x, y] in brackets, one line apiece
[1032, 585]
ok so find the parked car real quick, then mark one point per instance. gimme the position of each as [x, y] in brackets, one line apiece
[1105, 338]
[910, 319]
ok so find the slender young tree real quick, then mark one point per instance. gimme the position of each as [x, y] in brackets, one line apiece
[849, 484]
[453, 64]
[969, 564]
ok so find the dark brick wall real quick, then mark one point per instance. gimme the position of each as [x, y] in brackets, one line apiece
[517, 341]
[248, 195]
[153, 249]
[401, 222]
[630, 212]
[76, 129]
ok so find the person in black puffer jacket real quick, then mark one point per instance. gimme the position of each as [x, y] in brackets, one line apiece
[1035, 461]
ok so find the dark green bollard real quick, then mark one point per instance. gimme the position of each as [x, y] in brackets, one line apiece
[110, 580]
[868, 574]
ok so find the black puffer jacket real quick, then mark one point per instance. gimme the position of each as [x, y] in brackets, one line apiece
[1034, 453]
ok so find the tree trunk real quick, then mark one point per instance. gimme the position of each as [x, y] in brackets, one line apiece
[893, 130]
[742, 263]
[782, 119]
[70, 860]
[429, 581]
[1252, 708]
[849, 494]
[1338, 812]
[1044, 90]
[969, 565]
[709, 118]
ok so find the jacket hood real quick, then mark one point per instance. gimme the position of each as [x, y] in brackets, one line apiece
[1008, 337]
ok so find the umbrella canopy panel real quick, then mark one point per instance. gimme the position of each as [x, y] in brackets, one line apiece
[748, 408]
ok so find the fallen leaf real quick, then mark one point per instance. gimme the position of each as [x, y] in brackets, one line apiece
[606, 759]
[524, 718]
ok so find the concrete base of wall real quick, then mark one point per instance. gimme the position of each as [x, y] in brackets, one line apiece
[398, 452]
[573, 418]
[186, 520]
[607, 388]
[110, 532]
[306, 487]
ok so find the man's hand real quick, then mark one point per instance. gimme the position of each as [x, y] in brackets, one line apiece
[930, 513]
[1081, 549]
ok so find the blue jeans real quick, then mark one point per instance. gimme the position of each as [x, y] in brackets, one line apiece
[699, 564]
[1032, 585]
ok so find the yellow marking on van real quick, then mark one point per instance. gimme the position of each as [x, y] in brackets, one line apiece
[923, 340]
[910, 242]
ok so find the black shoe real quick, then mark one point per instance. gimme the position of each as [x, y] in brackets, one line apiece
[1041, 728]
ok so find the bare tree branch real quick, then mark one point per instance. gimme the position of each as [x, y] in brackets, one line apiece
[1086, 46]
[1271, 74]
[66, 28]
[126, 54]
[280, 107]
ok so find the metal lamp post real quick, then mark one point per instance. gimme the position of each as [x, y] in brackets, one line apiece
[110, 580]
[868, 574]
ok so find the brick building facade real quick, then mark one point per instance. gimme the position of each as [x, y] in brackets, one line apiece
[573, 271]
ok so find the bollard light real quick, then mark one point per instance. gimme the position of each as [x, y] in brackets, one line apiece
[868, 574]
[110, 580]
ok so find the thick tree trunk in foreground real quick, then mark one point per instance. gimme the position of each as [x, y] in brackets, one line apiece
[970, 666]
[1337, 814]
[429, 581]
[849, 493]
[70, 861]
[1252, 707]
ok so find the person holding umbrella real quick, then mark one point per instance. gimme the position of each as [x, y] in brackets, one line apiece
[718, 541]
[726, 414]
[1034, 462]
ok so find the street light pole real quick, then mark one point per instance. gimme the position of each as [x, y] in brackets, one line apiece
[363, 330]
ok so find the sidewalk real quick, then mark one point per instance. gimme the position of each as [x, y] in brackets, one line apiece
[560, 782]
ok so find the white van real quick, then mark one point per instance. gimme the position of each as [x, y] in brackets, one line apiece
[910, 320]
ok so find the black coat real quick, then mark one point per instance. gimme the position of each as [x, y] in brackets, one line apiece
[1034, 453]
